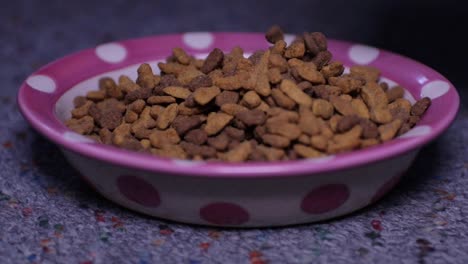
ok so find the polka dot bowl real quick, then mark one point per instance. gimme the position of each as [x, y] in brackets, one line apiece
[221, 194]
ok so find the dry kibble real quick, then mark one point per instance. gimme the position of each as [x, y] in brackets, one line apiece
[204, 95]
[280, 103]
[216, 122]
[296, 94]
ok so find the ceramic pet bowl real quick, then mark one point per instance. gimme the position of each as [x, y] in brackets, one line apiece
[222, 194]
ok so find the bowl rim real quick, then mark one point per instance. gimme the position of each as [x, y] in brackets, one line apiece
[122, 157]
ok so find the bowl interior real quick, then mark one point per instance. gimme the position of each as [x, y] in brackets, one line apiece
[46, 100]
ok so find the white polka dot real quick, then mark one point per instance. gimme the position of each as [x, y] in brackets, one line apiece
[362, 54]
[417, 132]
[435, 89]
[288, 38]
[42, 83]
[187, 163]
[198, 40]
[111, 52]
[75, 137]
[347, 70]
[321, 159]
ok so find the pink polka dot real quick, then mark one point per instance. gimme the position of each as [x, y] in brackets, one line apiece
[224, 214]
[138, 191]
[386, 187]
[325, 198]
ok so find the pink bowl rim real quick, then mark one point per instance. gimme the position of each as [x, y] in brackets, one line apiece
[53, 129]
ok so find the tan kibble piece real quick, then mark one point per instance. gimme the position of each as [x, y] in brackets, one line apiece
[277, 61]
[374, 96]
[319, 142]
[172, 67]
[240, 153]
[388, 131]
[274, 75]
[81, 111]
[322, 108]
[332, 70]
[360, 108]
[295, 50]
[84, 125]
[368, 73]
[170, 151]
[260, 74]
[251, 99]
[181, 56]
[96, 95]
[309, 123]
[308, 71]
[271, 154]
[293, 63]
[216, 122]
[346, 141]
[365, 143]
[177, 92]
[160, 100]
[288, 130]
[395, 93]
[296, 94]
[307, 152]
[276, 140]
[334, 122]
[145, 76]
[381, 115]
[282, 100]
[130, 116]
[204, 95]
[304, 139]
[352, 134]
[160, 138]
[400, 103]
[186, 76]
[119, 134]
[105, 136]
[262, 106]
[233, 109]
[137, 106]
[279, 114]
[341, 105]
[145, 143]
[156, 110]
[347, 84]
[279, 47]
[184, 110]
[166, 117]
[230, 83]
[127, 85]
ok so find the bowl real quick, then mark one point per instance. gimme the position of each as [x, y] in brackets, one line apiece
[253, 194]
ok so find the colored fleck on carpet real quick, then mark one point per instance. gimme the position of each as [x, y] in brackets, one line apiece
[49, 215]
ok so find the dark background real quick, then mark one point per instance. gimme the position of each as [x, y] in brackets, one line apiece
[33, 33]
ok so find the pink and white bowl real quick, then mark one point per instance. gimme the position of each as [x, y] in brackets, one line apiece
[222, 194]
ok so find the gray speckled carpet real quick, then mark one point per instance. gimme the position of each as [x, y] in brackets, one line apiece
[49, 215]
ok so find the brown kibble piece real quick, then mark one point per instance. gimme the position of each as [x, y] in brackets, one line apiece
[110, 87]
[277, 61]
[137, 106]
[127, 85]
[308, 71]
[295, 50]
[145, 76]
[271, 154]
[235, 133]
[82, 110]
[160, 100]
[291, 131]
[347, 122]
[365, 143]
[79, 101]
[333, 69]
[227, 97]
[105, 136]
[120, 133]
[213, 61]
[196, 136]
[315, 42]
[233, 109]
[346, 83]
[140, 93]
[274, 75]
[325, 91]
[296, 94]
[420, 107]
[276, 140]
[278, 47]
[159, 138]
[282, 100]
[130, 116]
[182, 124]
[369, 129]
[251, 117]
[395, 93]
[219, 142]
[304, 139]
[388, 131]
[83, 126]
[200, 81]
[381, 115]
[309, 123]
[360, 108]
[166, 117]
[216, 122]
[274, 34]
[322, 59]
[204, 95]
[319, 142]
